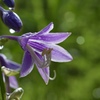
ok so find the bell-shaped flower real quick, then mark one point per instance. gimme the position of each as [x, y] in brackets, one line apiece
[8, 65]
[11, 19]
[40, 48]
[9, 3]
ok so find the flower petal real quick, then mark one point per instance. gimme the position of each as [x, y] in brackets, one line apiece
[59, 54]
[27, 64]
[44, 72]
[51, 38]
[37, 58]
[13, 65]
[8, 63]
[46, 30]
[13, 82]
[37, 46]
[23, 41]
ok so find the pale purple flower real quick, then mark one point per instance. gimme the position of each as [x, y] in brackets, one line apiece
[10, 65]
[40, 48]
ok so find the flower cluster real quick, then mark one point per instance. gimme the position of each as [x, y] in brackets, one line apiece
[40, 48]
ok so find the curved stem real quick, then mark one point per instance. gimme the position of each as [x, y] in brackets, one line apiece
[10, 37]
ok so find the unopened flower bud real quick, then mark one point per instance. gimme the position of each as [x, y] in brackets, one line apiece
[16, 94]
[11, 19]
[9, 3]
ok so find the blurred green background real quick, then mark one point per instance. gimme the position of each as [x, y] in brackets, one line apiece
[78, 79]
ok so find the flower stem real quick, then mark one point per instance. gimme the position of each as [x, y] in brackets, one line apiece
[7, 84]
[2, 86]
[9, 37]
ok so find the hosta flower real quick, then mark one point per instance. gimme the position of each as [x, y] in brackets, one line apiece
[40, 48]
[9, 3]
[10, 65]
[11, 19]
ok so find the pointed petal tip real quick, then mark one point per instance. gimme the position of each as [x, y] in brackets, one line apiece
[46, 29]
[70, 58]
[51, 25]
[68, 33]
[46, 83]
[22, 75]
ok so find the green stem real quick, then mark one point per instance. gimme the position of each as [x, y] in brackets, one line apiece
[7, 84]
[2, 86]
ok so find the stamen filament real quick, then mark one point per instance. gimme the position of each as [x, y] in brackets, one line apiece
[46, 54]
[51, 78]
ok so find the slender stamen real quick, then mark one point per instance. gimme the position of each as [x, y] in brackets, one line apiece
[34, 56]
[50, 78]
[46, 53]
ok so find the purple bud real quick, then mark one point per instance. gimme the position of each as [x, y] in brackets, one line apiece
[9, 3]
[11, 19]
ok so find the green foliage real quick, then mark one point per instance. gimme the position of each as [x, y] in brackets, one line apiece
[76, 80]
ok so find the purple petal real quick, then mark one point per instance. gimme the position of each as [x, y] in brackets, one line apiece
[52, 38]
[13, 65]
[13, 82]
[37, 46]
[46, 30]
[44, 72]
[27, 64]
[23, 41]
[59, 54]
[37, 58]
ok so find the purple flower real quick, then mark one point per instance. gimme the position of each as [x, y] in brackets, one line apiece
[11, 19]
[40, 48]
[10, 65]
